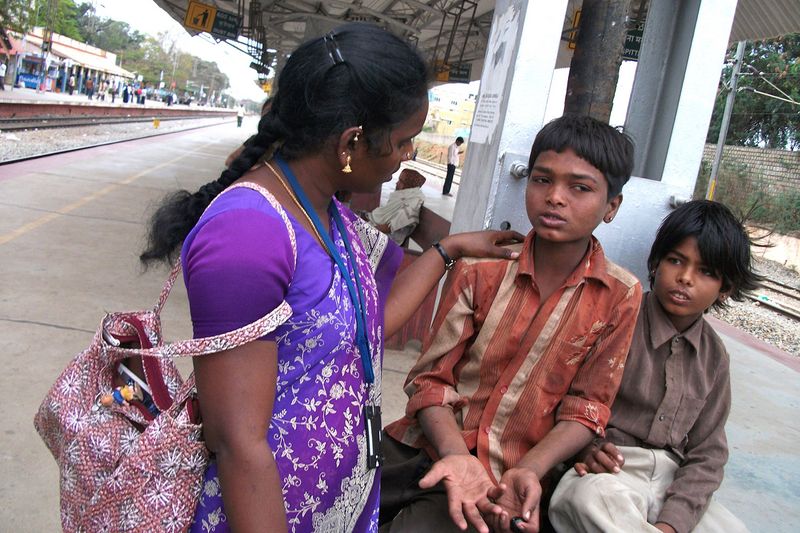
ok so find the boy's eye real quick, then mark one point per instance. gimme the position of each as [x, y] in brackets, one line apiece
[673, 260]
[582, 188]
[707, 272]
[539, 179]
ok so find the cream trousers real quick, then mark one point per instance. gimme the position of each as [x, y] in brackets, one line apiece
[629, 501]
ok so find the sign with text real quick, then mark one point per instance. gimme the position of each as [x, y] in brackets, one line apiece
[455, 73]
[226, 25]
[633, 40]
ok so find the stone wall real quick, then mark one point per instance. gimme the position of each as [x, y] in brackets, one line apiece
[773, 171]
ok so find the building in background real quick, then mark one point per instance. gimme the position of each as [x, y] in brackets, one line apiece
[49, 70]
[450, 110]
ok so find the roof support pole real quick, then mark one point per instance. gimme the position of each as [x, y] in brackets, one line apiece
[515, 85]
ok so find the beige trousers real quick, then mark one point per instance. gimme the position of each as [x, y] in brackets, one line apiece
[629, 501]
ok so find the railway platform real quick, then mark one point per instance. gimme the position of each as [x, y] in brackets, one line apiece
[17, 94]
[71, 228]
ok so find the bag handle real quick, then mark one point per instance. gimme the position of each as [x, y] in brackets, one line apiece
[204, 345]
[176, 268]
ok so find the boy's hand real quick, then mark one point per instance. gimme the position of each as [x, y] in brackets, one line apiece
[666, 528]
[467, 484]
[599, 460]
[482, 244]
[518, 494]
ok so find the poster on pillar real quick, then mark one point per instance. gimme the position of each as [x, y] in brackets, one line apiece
[499, 51]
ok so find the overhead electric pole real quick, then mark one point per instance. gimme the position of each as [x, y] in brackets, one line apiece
[726, 120]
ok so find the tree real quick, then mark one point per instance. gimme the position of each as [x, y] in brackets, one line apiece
[595, 63]
[64, 20]
[16, 15]
[108, 34]
[772, 67]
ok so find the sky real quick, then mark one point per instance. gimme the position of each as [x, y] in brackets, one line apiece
[148, 18]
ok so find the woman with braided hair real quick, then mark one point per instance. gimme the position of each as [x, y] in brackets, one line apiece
[347, 108]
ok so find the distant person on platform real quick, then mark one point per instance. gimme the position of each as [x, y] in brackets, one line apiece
[236, 153]
[452, 163]
[3, 76]
[90, 88]
[239, 116]
[400, 215]
[71, 84]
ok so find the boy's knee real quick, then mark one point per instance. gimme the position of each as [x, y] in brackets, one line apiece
[574, 492]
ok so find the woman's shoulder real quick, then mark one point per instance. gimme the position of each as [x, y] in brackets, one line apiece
[239, 224]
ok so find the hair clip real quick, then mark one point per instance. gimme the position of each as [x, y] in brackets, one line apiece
[333, 49]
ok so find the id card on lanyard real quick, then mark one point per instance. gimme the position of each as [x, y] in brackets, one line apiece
[372, 413]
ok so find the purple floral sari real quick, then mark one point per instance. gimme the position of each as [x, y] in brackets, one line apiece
[317, 432]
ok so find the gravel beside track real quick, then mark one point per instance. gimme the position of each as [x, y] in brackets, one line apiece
[771, 327]
[26, 143]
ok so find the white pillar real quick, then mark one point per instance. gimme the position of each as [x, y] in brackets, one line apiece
[517, 71]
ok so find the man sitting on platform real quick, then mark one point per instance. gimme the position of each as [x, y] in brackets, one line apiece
[400, 216]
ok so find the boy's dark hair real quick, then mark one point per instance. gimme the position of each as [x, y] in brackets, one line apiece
[607, 149]
[459, 140]
[721, 238]
[356, 75]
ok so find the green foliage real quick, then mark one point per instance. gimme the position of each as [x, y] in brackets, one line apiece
[16, 15]
[59, 15]
[759, 120]
[108, 34]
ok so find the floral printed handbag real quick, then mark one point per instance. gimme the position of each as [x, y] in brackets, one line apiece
[132, 458]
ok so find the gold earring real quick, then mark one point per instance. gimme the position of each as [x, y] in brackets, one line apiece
[355, 139]
[347, 169]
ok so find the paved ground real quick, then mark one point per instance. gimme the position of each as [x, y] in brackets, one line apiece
[70, 231]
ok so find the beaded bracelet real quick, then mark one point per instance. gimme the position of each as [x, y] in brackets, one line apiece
[449, 262]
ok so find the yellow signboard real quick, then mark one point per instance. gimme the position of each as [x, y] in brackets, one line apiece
[200, 17]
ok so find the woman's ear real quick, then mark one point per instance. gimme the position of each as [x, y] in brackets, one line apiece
[348, 142]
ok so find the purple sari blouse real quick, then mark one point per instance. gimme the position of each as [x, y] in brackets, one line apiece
[237, 267]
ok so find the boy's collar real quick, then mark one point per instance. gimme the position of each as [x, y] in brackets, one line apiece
[660, 326]
[592, 265]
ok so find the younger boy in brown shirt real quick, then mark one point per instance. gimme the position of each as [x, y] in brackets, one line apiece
[663, 454]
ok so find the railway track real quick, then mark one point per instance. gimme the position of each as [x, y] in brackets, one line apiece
[30, 123]
[780, 297]
[106, 143]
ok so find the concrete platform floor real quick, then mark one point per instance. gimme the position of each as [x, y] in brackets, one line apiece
[70, 232]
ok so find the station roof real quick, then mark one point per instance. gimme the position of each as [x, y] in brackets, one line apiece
[431, 23]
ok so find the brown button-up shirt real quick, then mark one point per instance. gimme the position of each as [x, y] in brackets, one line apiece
[510, 365]
[676, 395]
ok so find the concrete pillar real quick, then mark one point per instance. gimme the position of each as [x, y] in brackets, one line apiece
[515, 83]
[682, 53]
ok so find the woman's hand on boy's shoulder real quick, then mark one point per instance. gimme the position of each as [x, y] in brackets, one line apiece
[599, 458]
[488, 243]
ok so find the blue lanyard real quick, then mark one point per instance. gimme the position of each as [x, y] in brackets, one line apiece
[355, 290]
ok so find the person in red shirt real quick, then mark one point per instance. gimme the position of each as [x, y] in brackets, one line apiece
[524, 357]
